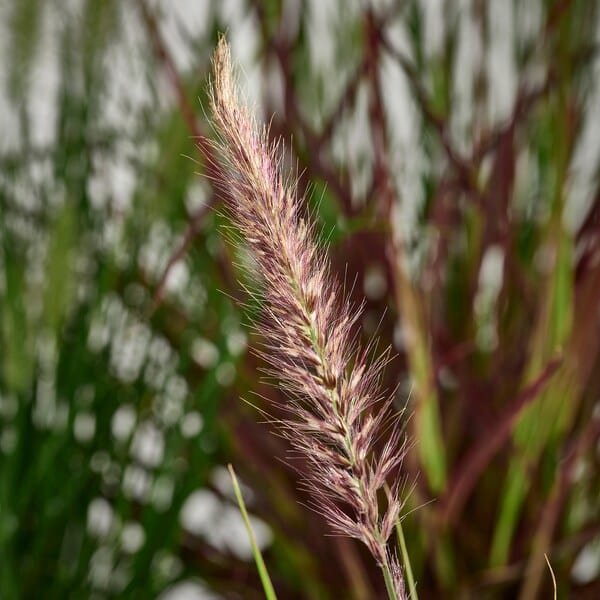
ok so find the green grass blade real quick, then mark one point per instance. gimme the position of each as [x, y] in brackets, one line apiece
[428, 430]
[260, 563]
[515, 491]
[412, 587]
[389, 583]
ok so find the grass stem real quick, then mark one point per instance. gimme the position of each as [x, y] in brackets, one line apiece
[410, 580]
[258, 559]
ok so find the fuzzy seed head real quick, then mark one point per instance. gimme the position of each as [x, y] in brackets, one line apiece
[335, 409]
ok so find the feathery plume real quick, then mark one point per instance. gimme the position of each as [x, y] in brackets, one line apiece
[333, 392]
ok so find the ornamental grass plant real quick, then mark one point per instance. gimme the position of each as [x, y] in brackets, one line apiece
[428, 182]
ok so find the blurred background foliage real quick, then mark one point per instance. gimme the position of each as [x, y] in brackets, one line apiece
[450, 152]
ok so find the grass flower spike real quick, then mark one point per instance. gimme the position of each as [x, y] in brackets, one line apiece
[335, 410]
